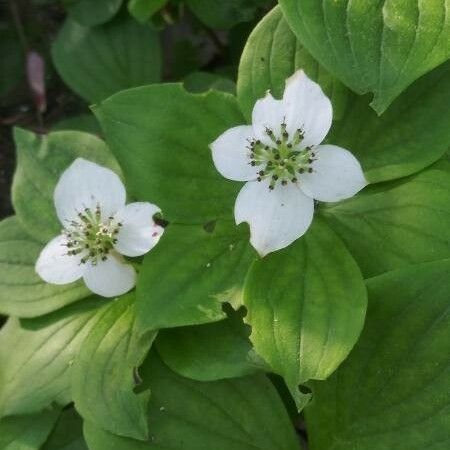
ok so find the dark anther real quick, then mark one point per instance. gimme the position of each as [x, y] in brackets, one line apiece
[83, 261]
[86, 210]
[275, 177]
[302, 170]
[294, 180]
[104, 258]
[69, 245]
[310, 160]
[114, 241]
[92, 253]
[266, 147]
[86, 245]
[310, 170]
[277, 156]
[285, 134]
[282, 163]
[258, 142]
[119, 224]
[278, 142]
[284, 182]
[258, 179]
[269, 131]
[313, 154]
[261, 172]
[253, 163]
[110, 217]
[271, 187]
[289, 145]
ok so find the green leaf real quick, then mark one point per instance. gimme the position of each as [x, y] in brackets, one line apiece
[89, 13]
[271, 55]
[41, 161]
[98, 62]
[36, 357]
[164, 151]
[103, 376]
[198, 82]
[411, 135]
[185, 279]
[306, 306]
[393, 390]
[68, 433]
[84, 122]
[210, 352]
[224, 15]
[238, 414]
[377, 47]
[143, 10]
[22, 292]
[26, 432]
[397, 223]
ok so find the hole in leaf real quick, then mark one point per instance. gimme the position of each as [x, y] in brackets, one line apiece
[209, 227]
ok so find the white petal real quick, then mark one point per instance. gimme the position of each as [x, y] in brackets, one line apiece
[336, 175]
[110, 278]
[267, 113]
[276, 218]
[138, 233]
[84, 185]
[308, 108]
[55, 266]
[231, 155]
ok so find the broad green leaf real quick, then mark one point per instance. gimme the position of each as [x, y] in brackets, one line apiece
[11, 59]
[397, 223]
[67, 434]
[36, 358]
[161, 135]
[225, 14]
[84, 122]
[393, 392]
[237, 414]
[198, 82]
[143, 10]
[306, 306]
[411, 135]
[40, 162]
[213, 351]
[185, 279]
[26, 432]
[271, 55]
[98, 62]
[90, 13]
[104, 372]
[22, 292]
[373, 46]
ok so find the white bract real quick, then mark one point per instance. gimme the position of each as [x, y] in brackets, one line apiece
[98, 229]
[285, 166]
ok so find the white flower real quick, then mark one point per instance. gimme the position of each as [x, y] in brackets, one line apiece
[98, 229]
[285, 167]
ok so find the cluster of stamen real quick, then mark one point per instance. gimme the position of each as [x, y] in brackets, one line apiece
[282, 161]
[91, 238]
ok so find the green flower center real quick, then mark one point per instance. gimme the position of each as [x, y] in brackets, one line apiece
[90, 238]
[284, 160]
